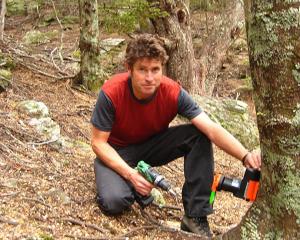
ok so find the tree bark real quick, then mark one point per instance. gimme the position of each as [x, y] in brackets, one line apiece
[91, 74]
[175, 27]
[212, 54]
[2, 18]
[196, 76]
[273, 32]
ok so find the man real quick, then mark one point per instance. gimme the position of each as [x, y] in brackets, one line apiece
[130, 123]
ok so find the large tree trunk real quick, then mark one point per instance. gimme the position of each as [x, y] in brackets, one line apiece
[91, 74]
[225, 27]
[175, 27]
[197, 77]
[273, 31]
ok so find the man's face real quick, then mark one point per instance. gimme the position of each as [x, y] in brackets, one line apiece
[146, 74]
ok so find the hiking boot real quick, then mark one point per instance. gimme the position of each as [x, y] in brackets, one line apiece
[198, 225]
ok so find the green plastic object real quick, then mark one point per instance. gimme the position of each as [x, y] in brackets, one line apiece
[142, 168]
[212, 197]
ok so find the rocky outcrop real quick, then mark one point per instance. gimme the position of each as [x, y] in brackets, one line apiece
[234, 116]
[47, 130]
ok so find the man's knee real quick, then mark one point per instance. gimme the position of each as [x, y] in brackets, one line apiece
[114, 203]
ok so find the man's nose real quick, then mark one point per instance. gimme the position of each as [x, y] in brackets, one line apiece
[149, 76]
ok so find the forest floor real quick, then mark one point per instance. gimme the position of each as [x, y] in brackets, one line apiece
[47, 193]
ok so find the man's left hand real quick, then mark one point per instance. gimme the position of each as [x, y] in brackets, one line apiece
[253, 160]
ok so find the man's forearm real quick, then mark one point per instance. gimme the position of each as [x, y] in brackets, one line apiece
[112, 159]
[228, 143]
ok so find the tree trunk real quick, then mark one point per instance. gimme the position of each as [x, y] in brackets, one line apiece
[197, 77]
[91, 74]
[175, 27]
[273, 31]
[214, 49]
[2, 18]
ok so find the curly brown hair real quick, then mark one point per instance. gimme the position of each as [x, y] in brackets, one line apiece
[145, 46]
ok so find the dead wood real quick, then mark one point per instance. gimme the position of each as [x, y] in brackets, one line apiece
[8, 221]
[2, 18]
[80, 223]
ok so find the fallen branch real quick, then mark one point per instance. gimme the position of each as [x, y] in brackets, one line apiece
[168, 207]
[44, 73]
[8, 221]
[94, 238]
[134, 230]
[62, 32]
[9, 194]
[165, 228]
[52, 58]
[36, 200]
[80, 223]
[42, 143]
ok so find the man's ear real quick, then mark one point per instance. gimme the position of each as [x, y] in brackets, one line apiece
[127, 67]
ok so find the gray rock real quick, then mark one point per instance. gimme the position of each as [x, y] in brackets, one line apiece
[59, 195]
[110, 43]
[47, 128]
[233, 115]
[33, 108]
[11, 183]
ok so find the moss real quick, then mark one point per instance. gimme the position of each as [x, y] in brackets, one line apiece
[5, 74]
[296, 75]
[37, 37]
[249, 230]
[15, 7]
[76, 54]
[287, 199]
[286, 195]
[264, 32]
[70, 19]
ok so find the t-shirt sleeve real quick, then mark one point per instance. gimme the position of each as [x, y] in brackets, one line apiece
[104, 113]
[187, 107]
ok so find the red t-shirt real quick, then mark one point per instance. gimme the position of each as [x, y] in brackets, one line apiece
[136, 121]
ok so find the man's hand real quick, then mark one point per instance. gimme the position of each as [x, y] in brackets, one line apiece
[253, 160]
[141, 185]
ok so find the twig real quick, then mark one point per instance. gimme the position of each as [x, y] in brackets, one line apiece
[62, 33]
[44, 73]
[94, 238]
[80, 223]
[12, 136]
[134, 230]
[9, 221]
[168, 207]
[36, 200]
[9, 194]
[82, 133]
[165, 228]
[42, 143]
[51, 55]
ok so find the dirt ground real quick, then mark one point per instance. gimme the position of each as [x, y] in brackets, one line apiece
[49, 194]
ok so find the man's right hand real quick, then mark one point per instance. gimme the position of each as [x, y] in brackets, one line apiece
[141, 185]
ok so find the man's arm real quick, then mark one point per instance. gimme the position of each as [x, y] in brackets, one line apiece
[112, 159]
[223, 139]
